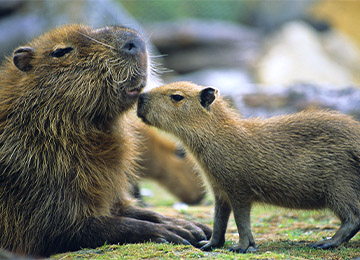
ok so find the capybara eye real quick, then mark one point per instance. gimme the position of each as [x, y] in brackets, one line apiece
[61, 52]
[180, 152]
[177, 98]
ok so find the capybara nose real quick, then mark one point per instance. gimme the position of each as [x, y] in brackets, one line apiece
[142, 99]
[141, 106]
[133, 46]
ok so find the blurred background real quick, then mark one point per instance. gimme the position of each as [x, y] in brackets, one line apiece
[268, 57]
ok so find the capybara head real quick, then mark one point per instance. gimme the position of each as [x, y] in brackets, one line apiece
[98, 72]
[173, 106]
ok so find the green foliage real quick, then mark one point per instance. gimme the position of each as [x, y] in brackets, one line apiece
[160, 10]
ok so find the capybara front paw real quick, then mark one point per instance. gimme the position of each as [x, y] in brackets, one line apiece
[199, 231]
[184, 232]
[173, 234]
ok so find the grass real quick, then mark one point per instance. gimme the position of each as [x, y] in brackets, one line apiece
[279, 234]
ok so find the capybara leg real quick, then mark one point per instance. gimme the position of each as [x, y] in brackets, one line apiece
[96, 231]
[242, 219]
[140, 213]
[344, 234]
[349, 215]
[221, 217]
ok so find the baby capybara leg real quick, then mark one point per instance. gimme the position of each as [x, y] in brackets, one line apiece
[349, 214]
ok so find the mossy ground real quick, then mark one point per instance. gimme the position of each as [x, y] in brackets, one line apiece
[279, 234]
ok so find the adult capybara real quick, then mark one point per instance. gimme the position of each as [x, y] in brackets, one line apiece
[68, 148]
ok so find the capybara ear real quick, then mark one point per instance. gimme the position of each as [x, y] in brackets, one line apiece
[22, 58]
[207, 96]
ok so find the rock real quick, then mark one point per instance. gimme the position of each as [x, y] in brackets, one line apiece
[343, 15]
[268, 101]
[7, 7]
[191, 45]
[297, 54]
[344, 51]
[269, 16]
[228, 81]
[294, 98]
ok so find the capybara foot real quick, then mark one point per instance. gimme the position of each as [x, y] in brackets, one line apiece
[210, 245]
[325, 244]
[239, 249]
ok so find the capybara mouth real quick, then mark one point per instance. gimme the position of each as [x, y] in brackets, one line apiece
[142, 116]
[134, 92]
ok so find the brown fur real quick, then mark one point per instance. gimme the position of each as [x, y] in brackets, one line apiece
[166, 162]
[309, 160]
[68, 148]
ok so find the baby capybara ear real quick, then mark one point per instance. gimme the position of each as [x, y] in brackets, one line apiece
[22, 58]
[207, 96]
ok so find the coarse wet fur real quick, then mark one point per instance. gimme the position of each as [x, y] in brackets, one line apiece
[308, 160]
[68, 147]
[165, 161]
